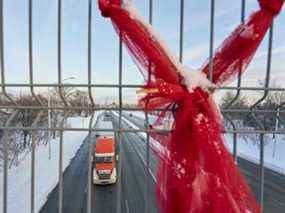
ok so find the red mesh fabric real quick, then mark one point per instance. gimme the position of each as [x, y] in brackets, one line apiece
[196, 172]
[235, 53]
[272, 6]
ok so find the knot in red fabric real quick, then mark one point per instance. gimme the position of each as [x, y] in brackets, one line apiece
[106, 6]
[272, 6]
[171, 91]
[177, 93]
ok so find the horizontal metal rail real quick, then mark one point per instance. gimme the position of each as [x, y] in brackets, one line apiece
[238, 131]
[56, 85]
[67, 108]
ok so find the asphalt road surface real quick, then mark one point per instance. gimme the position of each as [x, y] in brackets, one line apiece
[133, 179]
[129, 193]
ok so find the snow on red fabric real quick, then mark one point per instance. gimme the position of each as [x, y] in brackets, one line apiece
[198, 174]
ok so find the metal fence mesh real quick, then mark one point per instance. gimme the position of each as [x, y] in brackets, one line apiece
[10, 109]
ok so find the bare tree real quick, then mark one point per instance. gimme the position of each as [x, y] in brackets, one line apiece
[240, 103]
[80, 98]
[27, 116]
[271, 103]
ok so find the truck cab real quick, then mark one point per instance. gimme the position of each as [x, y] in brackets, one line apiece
[104, 158]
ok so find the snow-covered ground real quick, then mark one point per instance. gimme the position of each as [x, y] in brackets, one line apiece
[274, 157]
[46, 175]
[248, 147]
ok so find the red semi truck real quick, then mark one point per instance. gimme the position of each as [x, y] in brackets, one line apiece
[104, 158]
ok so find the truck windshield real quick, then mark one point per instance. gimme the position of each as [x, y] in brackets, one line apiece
[104, 159]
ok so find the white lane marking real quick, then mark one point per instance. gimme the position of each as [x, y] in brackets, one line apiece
[127, 206]
[142, 159]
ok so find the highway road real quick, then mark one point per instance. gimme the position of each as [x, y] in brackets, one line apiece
[129, 193]
[133, 179]
[132, 193]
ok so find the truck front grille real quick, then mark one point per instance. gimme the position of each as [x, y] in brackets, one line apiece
[104, 176]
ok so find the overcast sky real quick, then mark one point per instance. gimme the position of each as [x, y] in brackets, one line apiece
[105, 41]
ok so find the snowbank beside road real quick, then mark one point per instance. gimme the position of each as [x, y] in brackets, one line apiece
[274, 157]
[46, 170]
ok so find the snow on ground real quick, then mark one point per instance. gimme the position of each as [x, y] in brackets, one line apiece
[274, 157]
[46, 170]
[248, 148]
